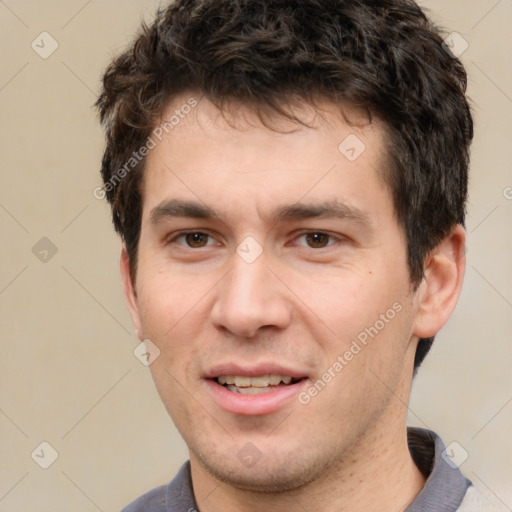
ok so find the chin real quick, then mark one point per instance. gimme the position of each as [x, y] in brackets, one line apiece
[266, 476]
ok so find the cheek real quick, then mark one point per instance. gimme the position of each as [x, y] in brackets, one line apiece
[173, 310]
[168, 299]
[362, 369]
[370, 324]
[348, 302]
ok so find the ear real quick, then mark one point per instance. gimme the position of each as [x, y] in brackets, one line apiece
[130, 293]
[440, 289]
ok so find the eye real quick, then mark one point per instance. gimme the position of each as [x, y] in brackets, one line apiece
[194, 239]
[316, 239]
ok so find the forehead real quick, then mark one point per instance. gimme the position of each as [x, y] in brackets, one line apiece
[231, 159]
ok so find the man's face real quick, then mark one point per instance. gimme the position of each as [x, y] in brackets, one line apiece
[274, 254]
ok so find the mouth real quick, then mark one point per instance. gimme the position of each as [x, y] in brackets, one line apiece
[256, 385]
[254, 390]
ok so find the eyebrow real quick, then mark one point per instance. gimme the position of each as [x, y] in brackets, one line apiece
[328, 209]
[180, 208]
[299, 211]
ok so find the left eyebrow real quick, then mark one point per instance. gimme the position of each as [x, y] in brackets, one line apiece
[334, 209]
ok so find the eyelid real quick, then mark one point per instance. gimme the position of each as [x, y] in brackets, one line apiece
[173, 237]
[334, 237]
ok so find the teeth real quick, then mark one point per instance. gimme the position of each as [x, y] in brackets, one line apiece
[275, 380]
[262, 381]
[242, 382]
[248, 391]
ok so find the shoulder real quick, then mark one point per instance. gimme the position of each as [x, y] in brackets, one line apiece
[474, 501]
[152, 501]
[177, 496]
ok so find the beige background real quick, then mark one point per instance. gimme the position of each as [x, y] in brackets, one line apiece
[68, 374]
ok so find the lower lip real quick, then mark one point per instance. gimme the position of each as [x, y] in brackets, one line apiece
[253, 405]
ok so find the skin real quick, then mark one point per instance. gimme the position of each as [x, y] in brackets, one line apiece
[301, 304]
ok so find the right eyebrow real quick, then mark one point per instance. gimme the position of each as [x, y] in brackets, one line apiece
[180, 208]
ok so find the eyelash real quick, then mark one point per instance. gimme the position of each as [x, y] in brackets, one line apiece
[184, 234]
[332, 238]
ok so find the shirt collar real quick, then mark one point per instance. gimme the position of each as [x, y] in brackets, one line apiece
[445, 487]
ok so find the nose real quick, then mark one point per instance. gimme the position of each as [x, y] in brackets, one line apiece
[250, 298]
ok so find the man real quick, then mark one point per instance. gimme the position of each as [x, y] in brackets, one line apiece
[289, 180]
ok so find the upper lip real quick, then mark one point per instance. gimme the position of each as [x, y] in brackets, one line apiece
[251, 370]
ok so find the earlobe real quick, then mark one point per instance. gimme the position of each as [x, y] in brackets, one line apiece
[130, 293]
[440, 289]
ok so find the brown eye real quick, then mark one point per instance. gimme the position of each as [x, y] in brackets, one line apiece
[196, 240]
[317, 240]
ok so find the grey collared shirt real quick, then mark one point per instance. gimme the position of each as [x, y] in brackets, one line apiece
[444, 489]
